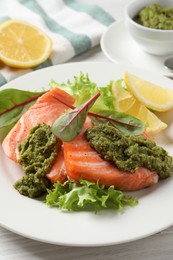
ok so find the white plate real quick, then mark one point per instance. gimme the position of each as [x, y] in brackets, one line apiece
[119, 47]
[33, 219]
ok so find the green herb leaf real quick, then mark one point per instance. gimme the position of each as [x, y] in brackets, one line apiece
[127, 124]
[12, 98]
[9, 119]
[87, 196]
[69, 125]
[13, 104]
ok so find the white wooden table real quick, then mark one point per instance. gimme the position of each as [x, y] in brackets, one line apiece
[158, 246]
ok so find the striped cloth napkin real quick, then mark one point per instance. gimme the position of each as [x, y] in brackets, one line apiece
[74, 26]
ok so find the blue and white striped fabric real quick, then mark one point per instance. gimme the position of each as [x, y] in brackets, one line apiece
[74, 26]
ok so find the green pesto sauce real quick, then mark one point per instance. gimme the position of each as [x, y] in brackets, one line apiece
[156, 17]
[129, 153]
[37, 154]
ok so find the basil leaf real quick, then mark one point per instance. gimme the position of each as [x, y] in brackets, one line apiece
[69, 125]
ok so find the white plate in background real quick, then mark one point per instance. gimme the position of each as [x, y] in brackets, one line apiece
[119, 47]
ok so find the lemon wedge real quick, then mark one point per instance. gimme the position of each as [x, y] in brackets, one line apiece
[152, 96]
[127, 103]
[23, 45]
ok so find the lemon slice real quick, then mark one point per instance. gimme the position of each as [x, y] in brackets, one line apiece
[127, 103]
[23, 45]
[150, 95]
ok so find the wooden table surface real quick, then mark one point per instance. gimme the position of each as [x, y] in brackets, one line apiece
[158, 246]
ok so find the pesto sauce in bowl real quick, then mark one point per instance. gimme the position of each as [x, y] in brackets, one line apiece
[155, 16]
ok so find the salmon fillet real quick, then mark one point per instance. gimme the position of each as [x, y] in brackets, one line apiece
[58, 170]
[46, 110]
[83, 162]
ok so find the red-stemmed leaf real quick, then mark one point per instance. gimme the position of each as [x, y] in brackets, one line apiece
[69, 125]
[13, 104]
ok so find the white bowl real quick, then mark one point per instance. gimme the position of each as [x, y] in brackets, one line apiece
[153, 41]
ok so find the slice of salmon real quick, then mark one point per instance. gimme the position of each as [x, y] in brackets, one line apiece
[46, 110]
[83, 162]
[58, 170]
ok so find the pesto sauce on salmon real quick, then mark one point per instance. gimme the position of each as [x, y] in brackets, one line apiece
[37, 154]
[129, 153]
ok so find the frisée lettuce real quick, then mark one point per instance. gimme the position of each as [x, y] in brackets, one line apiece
[82, 89]
[86, 195]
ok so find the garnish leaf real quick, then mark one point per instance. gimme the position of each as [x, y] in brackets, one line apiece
[132, 126]
[9, 119]
[87, 195]
[13, 104]
[82, 89]
[12, 98]
[69, 125]
[127, 124]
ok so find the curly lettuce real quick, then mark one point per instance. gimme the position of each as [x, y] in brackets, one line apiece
[82, 89]
[87, 195]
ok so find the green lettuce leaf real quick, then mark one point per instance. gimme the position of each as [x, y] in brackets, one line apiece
[88, 196]
[13, 104]
[11, 98]
[10, 118]
[82, 88]
[126, 124]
